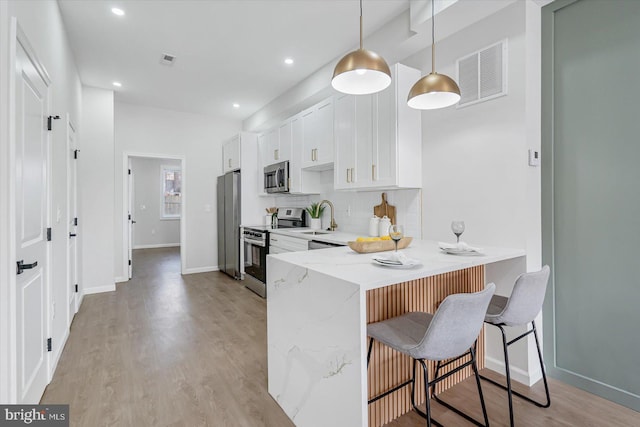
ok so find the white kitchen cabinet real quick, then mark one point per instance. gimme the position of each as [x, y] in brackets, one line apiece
[272, 147]
[284, 144]
[379, 138]
[317, 124]
[231, 154]
[279, 243]
[345, 137]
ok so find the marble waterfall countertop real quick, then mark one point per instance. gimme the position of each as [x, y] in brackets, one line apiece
[345, 264]
[317, 320]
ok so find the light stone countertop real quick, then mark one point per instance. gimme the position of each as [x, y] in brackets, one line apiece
[345, 264]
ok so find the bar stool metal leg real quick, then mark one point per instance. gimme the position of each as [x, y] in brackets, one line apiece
[508, 388]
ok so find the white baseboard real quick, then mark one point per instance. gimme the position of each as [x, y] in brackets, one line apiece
[98, 289]
[121, 279]
[200, 269]
[58, 353]
[158, 245]
[517, 374]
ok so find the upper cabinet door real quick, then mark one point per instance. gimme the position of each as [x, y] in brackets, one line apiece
[318, 136]
[284, 134]
[324, 123]
[231, 154]
[272, 138]
[363, 165]
[345, 139]
[384, 141]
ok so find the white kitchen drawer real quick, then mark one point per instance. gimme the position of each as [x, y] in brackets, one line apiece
[287, 243]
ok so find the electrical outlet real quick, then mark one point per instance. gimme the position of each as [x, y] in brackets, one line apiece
[534, 157]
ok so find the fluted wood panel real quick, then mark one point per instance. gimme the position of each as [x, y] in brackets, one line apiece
[389, 368]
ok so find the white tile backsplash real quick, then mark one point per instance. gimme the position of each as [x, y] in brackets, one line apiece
[353, 209]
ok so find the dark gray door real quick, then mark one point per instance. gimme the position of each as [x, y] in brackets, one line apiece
[591, 195]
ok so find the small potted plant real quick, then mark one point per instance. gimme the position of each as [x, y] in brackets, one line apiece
[315, 212]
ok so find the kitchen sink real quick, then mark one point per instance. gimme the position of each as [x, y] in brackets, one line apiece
[314, 233]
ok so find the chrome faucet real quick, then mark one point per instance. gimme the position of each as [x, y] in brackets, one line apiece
[332, 224]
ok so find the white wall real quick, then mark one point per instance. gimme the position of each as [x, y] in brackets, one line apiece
[147, 130]
[475, 164]
[97, 195]
[43, 26]
[150, 230]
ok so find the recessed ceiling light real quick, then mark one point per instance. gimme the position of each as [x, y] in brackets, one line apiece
[117, 11]
[288, 61]
[117, 84]
[236, 105]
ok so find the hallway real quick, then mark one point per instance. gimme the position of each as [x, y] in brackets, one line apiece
[172, 350]
[166, 349]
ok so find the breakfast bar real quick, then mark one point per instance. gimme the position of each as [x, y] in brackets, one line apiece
[318, 306]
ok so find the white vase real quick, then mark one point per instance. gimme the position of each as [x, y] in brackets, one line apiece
[316, 223]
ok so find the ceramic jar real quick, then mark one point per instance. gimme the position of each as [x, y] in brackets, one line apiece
[373, 226]
[383, 226]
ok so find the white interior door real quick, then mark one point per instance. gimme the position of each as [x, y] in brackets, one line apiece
[130, 217]
[31, 214]
[72, 223]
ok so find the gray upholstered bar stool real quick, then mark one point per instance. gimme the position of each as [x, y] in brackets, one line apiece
[450, 333]
[520, 309]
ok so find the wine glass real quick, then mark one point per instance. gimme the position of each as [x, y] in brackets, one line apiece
[396, 232]
[458, 228]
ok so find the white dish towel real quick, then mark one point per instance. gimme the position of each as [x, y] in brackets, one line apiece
[461, 246]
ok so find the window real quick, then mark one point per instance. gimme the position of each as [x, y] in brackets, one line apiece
[171, 192]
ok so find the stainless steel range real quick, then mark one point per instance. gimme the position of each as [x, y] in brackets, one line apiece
[256, 247]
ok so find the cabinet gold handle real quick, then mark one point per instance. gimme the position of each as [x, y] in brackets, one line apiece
[373, 172]
[275, 154]
[348, 171]
[229, 162]
[353, 175]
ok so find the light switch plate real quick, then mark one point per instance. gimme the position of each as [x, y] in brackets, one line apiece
[534, 157]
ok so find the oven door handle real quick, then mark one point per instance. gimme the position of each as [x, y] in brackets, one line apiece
[255, 242]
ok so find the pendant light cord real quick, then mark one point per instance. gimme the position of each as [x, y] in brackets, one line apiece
[433, 38]
[360, 24]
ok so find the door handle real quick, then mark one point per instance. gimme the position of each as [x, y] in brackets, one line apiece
[22, 266]
[72, 235]
[133, 222]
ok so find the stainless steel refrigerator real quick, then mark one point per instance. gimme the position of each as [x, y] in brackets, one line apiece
[229, 224]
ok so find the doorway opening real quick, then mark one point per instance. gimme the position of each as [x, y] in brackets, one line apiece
[154, 206]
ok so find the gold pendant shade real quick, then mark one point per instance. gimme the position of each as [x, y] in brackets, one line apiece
[433, 91]
[362, 71]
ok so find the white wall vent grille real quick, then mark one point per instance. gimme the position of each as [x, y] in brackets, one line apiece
[482, 75]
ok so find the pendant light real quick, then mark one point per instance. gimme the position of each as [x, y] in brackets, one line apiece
[433, 90]
[361, 72]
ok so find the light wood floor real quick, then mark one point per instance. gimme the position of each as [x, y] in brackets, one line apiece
[172, 350]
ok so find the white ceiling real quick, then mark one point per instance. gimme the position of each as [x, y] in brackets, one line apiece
[227, 50]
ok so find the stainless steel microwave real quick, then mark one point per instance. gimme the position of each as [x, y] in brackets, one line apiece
[276, 178]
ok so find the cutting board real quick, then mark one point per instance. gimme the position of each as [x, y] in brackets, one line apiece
[385, 208]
